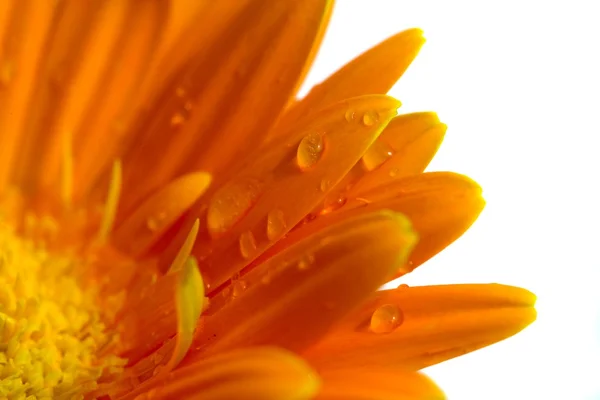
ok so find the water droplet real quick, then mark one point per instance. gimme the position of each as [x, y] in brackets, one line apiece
[230, 204]
[394, 172]
[238, 288]
[266, 279]
[350, 116]
[402, 286]
[309, 150]
[226, 292]
[188, 106]
[386, 318]
[247, 244]
[155, 222]
[370, 118]
[333, 203]
[276, 224]
[306, 261]
[378, 153]
[325, 185]
[177, 119]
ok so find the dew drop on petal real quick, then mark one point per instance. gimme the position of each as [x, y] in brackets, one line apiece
[309, 151]
[350, 116]
[155, 222]
[377, 154]
[306, 261]
[230, 204]
[325, 185]
[394, 172]
[370, 118]
[177, 119]
[386, 319]
[247, 244]
[276, 224]
[402, 286]
[238, 287]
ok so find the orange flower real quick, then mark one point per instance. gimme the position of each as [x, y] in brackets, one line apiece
[244, 235]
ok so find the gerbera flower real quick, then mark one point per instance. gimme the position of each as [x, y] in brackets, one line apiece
[176, 225]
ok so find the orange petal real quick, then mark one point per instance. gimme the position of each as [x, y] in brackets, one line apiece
[404, 148]
[145, 226]
[376, 383]
[440, 205]
[293, 298]
[374, 72]
[258, 373]
[433, 324]
[214, 107]
[282, 184]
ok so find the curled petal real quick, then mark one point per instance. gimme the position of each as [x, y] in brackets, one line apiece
[434, 324]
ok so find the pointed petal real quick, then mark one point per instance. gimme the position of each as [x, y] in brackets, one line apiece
[213, 108]
[258, 373]
[376, 383]
[440, 205]
[404, 148]
[282, 184]
[145, 226]
[438, 323]
[374, 72]
[294, 298]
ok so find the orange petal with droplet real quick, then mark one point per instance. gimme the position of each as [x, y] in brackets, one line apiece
[376, 383]
[404, 148]
[439, 323]
[258, 373]
[287, 178]
[214, 107]
[440, 205]
[151, 219]
[294, 298]
[374, 72]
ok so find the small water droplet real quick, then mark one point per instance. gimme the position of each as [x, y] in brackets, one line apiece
[247, 244]
[377, 154]
[266, 279]
[276, 224]
[177, 119]
[402, 286]
[230, 204]
[386, 318]
[238, 288]
[325, 185]
[188, 106]
[155, 222]
[226, 292]
[334, 203]
[370, 118]
[394, 172]
[309, 150]
[306, 261]
[350, 116]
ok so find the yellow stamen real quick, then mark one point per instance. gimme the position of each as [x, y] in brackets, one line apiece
[186, 248]
[51, 329]
[112, 201]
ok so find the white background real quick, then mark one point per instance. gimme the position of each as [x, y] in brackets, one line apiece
[518, 84]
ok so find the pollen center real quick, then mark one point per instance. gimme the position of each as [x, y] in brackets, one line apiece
[54, 342]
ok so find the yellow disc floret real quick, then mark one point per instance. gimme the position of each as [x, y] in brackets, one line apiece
[53, 337]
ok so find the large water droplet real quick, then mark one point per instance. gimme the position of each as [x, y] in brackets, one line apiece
[310, 150]
[276, 224]
[247, 244]
[230, 204]
[378, 153]
[386, 318]
[370, 118]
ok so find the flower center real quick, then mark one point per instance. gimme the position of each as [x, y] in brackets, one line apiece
[54, 342]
